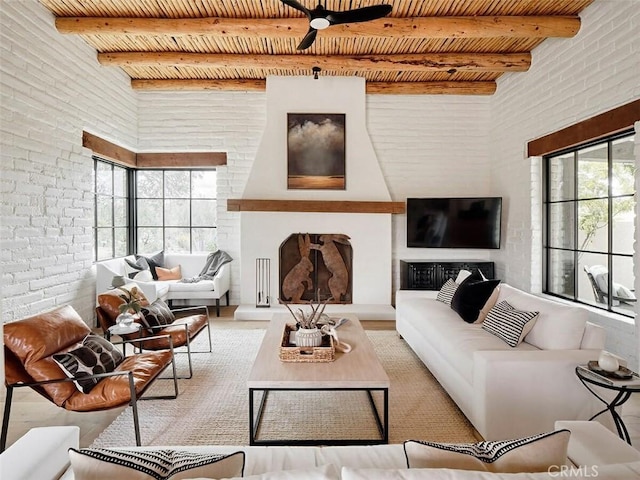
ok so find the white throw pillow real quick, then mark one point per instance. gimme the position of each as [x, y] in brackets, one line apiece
[143, 276]
[462, 275]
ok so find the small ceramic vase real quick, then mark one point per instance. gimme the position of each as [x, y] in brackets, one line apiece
[608, 362]
[125, 319]
[308, 337]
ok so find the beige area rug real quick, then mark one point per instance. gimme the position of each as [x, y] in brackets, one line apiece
[212, 408]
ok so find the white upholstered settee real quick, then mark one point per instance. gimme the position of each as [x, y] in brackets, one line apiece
[191, 264]
[592, 452]
[506, 392]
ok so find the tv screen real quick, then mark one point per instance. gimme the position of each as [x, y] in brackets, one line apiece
[454, 222]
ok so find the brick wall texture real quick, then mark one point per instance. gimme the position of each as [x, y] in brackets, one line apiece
[53, 88]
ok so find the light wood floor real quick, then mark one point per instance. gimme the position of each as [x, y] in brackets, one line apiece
[30, 410]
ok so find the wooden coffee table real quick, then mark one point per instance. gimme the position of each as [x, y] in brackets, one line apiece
[359, 370]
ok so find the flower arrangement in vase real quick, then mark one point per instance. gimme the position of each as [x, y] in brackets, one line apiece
[131, 306]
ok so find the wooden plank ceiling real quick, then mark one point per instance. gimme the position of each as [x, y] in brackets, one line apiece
[421, 47]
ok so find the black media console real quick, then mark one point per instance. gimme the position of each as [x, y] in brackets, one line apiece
[423, 275]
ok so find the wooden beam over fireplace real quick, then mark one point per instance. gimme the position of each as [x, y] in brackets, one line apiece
[325, 206]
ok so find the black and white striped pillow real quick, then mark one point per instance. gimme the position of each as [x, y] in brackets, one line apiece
[509, 324]
[530, 454]
[447, 291]
[156, 464]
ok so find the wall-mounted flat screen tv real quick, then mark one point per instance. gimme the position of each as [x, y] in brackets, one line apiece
[454, 222]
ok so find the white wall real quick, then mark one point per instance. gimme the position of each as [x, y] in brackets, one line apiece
[52, 89]
[570, 80]
[230, 122]
[431, 146]
[370, 234]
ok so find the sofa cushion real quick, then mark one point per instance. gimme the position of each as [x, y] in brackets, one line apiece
[536, 453]
[471, 296]
[155, 260]
[95, 355]
[558, 327]
[201, 286]
[449, 336]
[509, 324]
[107, 464]
[322, 472]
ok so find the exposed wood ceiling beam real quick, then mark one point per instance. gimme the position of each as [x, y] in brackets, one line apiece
[401, 88]
[246, 85]
[415, 27]
[448, 62]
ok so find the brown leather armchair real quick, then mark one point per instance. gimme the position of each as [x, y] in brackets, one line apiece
[183, 330]
[29, 347]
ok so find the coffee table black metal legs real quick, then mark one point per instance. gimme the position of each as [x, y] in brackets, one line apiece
[382, 421]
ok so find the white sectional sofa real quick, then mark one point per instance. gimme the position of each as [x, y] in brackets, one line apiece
[506, 392]
[593, 452]
[191, 264]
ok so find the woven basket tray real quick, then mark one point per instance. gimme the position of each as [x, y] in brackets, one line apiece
[291, 353]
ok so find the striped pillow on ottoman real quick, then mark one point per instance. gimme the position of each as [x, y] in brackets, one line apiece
[509, 324]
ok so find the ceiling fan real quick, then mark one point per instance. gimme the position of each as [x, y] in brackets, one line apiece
[320, 18]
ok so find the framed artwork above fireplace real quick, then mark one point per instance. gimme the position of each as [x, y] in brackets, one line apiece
[316, 151]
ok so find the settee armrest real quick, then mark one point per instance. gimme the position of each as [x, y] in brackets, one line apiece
[222, 280]
[592, 444]
[541, 383]
[40, 453]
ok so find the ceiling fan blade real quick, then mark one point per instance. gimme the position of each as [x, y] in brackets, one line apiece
[297, 6]
[363, 14]
[308, 39]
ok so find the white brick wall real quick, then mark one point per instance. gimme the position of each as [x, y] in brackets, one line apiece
[230, 122]
[52, 89]
[570, 80]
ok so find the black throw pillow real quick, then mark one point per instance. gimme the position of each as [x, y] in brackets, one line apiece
[156, 260]
[471, 296]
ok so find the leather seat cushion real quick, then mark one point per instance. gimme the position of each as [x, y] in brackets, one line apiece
[34, 339]
[113, 391]
[194, 324]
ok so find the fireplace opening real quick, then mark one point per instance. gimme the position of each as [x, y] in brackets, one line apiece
[316, 266]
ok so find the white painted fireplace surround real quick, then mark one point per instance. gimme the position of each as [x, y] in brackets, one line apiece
[263, 232]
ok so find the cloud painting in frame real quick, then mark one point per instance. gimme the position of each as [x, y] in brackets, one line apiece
[316, 151]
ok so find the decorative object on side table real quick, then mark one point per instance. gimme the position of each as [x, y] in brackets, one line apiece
[623, 381]
[130, 307]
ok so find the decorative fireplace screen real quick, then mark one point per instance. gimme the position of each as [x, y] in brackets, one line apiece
[316, 266]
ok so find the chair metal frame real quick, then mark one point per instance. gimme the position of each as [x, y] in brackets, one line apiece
[137, 343]
[134, 397]
[601, 297]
